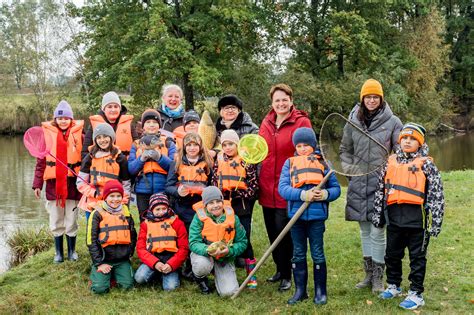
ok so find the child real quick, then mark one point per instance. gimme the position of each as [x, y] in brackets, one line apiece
[162, 244]
[409, 190]
[150, 160]
[103, 163]
[216, 238]
[64, 136]
[111, 239]
[239, 184]
[299, 176]
[191, 121]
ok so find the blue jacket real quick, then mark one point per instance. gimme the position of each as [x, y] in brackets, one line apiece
[316, 210]
[152, 182]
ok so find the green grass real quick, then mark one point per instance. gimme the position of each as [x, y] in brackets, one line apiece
[38, 286]
[26, 243]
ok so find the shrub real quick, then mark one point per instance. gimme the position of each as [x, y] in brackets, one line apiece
[27, 242]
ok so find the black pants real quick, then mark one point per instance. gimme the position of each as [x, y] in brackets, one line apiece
[143, 201]
[416, 240]
[246, 221]
[275, 221]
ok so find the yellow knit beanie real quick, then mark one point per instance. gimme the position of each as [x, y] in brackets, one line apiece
[370, 87]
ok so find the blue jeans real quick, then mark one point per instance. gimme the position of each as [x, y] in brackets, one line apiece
[300, 233]
[145, 274]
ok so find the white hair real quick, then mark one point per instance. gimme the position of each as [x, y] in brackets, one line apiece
[168, 87]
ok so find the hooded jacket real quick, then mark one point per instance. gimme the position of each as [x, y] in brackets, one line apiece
[88, 141]
[385, 128]
[243, 125]
[280, 148]
[407, 215]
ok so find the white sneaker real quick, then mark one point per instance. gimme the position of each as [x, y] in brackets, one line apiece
[412, 301]
[391, 292]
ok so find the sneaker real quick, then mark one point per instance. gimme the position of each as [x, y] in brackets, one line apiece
[412, 301]
[391, 292]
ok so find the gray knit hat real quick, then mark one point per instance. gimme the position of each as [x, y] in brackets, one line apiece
[110, 97]
[211, 193]
[104, 129]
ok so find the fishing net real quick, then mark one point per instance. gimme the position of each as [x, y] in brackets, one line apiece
[252, 148]
[35, 142]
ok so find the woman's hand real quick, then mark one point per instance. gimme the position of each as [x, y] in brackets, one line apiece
[104, 268]
[38, 193]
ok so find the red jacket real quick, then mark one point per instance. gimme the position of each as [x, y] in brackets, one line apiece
[280, 147]
[178, 258]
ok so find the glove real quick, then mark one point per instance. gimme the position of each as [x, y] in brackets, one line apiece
[146, 155]
[155, 155]
[306, 196]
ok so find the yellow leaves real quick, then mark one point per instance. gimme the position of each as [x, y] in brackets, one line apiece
[369, 302]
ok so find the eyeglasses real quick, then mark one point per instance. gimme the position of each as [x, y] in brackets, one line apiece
[230, 108]
[372, 97]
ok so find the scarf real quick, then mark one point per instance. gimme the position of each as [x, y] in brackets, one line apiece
[111, 210]
[173, 113]
[61, 169]
[151, 217]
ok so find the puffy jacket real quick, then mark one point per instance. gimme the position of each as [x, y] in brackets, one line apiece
[316, 210]
[112, 253]
[150, 183]
[88, 141]
[243, 125]
[183, 206]
[168, 123]
[385, 128]
[280, 147]
[177, 259]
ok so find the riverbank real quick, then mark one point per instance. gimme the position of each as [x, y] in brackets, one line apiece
[38, 286]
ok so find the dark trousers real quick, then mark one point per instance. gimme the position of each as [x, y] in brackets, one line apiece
[301, 232]
[416, 240]
[246, 221]
[143, 201]
[275, 221]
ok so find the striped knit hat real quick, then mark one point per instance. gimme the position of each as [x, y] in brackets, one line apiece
[415, 130]
[158, 199]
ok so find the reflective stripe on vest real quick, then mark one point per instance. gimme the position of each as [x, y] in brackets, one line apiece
[113, 229]
[74, 147]
[123, 131]
[231, 173]
[214, 232]
[151, 166]
[306, 170]
[405, 183]
[161, 236]
[102, 170]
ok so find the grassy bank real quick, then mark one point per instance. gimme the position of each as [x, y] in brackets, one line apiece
[38, 286]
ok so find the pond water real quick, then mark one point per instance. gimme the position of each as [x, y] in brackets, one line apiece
[19, 208]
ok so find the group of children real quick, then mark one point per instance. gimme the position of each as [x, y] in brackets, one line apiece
[205, 223]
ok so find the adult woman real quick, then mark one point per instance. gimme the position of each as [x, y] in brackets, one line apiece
[374, 116]
[232, 117]
[171, 109]
[115, 114]
[277, 128]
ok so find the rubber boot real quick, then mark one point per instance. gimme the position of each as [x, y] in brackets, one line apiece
[71, 248]
[249, 266]
[58, 245]
[377, 278]
[320, 275]
[203, 285]
[300, 275]
[368, 268]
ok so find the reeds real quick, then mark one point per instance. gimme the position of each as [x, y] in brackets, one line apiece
[26, 242]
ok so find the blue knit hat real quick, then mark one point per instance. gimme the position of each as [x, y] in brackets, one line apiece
[63, 110]
[305, 135]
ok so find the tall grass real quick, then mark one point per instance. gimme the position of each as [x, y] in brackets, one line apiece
[26, 242]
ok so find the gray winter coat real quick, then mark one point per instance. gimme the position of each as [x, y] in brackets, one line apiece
[385, 128]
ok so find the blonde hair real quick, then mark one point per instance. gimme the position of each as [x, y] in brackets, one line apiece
[194, 137]
[168, 87]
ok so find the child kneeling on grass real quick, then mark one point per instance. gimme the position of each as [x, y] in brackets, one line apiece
[409, 190]
[162, 244]
[111, 239]
[299, 176]
[216, 238]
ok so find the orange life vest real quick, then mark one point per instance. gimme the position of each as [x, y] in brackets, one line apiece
[306, 170]
[74, 147]
[123, 132]
[212, 231]
[405, 183]
[193, 176]
[179, 134]
[113, 229]
[231, 173]
[161, 236]
[152, 166]
[103, 169]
